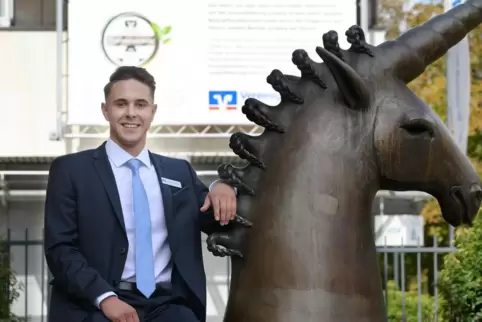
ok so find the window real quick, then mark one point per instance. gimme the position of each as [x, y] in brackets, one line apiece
[29, 15]
[6, 13]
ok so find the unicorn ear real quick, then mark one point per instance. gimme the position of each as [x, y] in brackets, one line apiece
[351, 85]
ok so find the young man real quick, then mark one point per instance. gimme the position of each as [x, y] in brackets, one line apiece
[122, 224]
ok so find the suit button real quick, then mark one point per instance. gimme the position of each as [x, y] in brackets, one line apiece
[123, 251]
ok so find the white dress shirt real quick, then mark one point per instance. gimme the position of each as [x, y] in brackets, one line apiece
[160, 248]
[123, 177]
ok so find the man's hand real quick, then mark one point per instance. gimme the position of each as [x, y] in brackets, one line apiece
[223, 200]
[118, 311]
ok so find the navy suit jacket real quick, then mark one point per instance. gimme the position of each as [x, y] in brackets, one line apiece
[85, 238]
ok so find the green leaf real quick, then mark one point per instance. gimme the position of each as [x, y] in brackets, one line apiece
[460, 280]
[166, 41]
[157, 31]
[166, 30]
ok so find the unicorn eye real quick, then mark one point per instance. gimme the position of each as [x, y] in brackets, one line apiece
[418, 127]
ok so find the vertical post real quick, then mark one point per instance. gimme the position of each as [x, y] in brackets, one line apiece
[49, 277]
[451, 236]
[42, 286]
[60, 60]
[435, 279]
[228, 273]
[364, 5]
[26, 273]
[419, 282]
[8, 263]
[385, 275]
[458, 93]
[402, 282]
[49, 292]
[396, 267]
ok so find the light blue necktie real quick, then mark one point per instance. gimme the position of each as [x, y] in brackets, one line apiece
[145, 279]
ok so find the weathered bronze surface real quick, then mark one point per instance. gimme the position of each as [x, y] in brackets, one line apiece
[345, 129]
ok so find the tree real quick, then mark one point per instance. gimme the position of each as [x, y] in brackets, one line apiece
[408, 311]
[461, 278]
[391, 15]
[431, 88]
[9, 286]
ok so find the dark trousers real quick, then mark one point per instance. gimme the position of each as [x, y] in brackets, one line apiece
[162, 306]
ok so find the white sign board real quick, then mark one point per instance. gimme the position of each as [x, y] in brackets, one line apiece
[207, 56]
[399, 230]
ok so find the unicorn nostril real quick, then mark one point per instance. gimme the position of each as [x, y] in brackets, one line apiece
[476, 192]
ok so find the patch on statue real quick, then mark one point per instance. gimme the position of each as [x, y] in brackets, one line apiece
[328, 204]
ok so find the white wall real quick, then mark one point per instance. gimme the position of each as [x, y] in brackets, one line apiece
[28, 93]
[28, 98]
[172, 145]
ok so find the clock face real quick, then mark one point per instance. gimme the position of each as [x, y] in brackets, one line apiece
[129, 39]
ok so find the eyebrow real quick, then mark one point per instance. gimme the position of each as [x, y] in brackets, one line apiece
[141, 100]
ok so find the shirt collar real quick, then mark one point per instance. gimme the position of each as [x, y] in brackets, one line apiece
[119, 156]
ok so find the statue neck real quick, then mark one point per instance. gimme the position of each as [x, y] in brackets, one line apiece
[313, 236]
[311, 249]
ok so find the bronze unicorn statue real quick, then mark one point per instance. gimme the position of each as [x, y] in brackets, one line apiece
[345, 129]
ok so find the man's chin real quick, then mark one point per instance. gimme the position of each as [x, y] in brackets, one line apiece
[131, 139]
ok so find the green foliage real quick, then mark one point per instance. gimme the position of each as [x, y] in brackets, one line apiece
[397, 312]
[9, 287]
[474, 146]
[431, 86]
[161, 33]
[462, 290]
[460, 282]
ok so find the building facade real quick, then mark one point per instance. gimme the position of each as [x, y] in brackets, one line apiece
[34, 88]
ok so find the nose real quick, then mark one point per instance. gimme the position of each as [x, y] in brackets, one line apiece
[475, 193]
[131, 110]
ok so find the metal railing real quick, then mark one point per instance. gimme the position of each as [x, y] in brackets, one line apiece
[27, 261]
[400, 286]
[408, 273]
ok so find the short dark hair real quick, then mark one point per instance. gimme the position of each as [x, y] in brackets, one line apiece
[130, 72]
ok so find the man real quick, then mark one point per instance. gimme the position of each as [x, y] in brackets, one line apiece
[122, 224]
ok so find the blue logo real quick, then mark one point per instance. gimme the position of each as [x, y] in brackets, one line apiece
[456, 3]
[226, 100]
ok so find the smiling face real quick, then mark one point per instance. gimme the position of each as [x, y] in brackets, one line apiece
[129, 109]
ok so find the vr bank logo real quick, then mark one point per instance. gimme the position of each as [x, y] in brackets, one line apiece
[223, 100]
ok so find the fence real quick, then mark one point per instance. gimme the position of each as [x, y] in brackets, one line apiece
[28, 262]
[402, 268]
[407, 304]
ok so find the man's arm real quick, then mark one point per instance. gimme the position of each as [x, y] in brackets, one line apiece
[208, 222]
[68, 266]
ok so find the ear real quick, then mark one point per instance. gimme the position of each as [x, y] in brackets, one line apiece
[103, 107]
[154, 110]
[351, 85]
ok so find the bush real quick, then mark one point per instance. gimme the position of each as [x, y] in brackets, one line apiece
[460, 282]
[395, 312]
[10, 288]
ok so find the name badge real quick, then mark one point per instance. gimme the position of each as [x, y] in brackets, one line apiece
[172, 183]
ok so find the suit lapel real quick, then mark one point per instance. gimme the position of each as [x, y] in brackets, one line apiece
[166, 199]
[106, 175]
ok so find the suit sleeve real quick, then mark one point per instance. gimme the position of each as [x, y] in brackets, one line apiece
[209, 225]
[68, 266]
